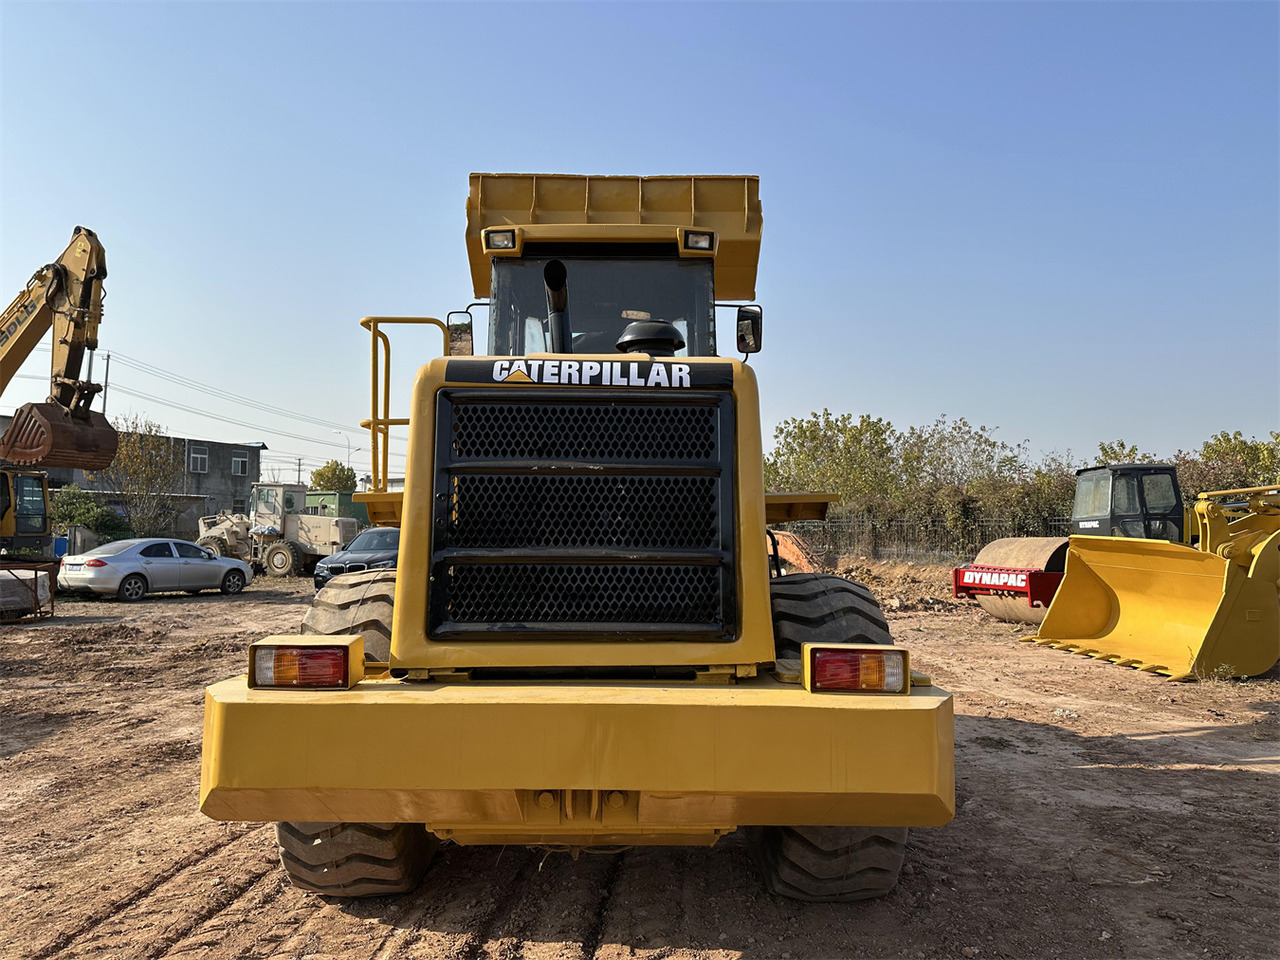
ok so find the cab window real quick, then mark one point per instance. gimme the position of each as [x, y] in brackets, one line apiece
[1093, 495]
[30, 516]
[1124, 494]
[1158, 492]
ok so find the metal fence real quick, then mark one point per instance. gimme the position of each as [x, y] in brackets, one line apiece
[920, 541]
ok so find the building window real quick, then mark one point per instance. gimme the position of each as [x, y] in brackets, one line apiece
[239, 505]
[239, 463]
[199, 460]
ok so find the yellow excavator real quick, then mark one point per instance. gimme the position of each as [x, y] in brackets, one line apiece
[65, 295]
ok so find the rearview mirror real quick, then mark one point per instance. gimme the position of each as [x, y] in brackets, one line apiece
[460, 334]
[750, 324]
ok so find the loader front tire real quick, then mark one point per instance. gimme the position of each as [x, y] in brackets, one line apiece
[356, 603]
[282, 559]
[825, 864]
[355, 859]
[215, 545]
[820, 608]
[828, 864]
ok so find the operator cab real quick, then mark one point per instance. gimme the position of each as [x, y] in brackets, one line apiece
[1129, 500]
[605, 295]
[271, 501]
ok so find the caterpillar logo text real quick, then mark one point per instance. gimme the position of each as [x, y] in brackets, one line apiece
[616, 373]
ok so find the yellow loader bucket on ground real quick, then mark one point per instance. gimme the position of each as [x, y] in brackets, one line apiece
[1168, 608]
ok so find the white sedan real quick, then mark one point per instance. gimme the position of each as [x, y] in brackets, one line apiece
[131, 569]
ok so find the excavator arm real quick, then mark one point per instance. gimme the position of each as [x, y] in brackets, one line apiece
[67, 296]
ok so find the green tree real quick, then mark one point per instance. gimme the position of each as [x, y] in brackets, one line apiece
[857, 459]
[334, 475]
[1118, 451]
[1228, 461]
[144, 477]
[73, 506]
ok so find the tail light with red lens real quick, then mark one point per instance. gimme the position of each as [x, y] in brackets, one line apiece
[317, 663]
[866, 668]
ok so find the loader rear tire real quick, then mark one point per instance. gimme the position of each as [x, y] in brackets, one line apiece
[355, 859]
[282, 559]
[820, 608]
[828, 864]
[215, 545]
[825, 864]
[356, 603]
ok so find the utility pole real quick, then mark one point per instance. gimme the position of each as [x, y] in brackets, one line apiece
[106, 379]
[299, 469]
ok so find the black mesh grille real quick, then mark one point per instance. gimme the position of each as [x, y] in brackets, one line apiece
[590, 432]
[568, 513]
[510, 511]
[583, 593]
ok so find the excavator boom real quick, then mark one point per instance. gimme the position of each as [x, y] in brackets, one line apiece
[67, 296]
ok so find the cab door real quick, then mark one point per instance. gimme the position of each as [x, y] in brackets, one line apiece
[1162, 508]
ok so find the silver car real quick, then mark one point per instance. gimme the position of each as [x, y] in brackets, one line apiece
[131, 569]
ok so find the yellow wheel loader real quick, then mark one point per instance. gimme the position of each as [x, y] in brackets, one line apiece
[581, 646]
[1187, 613]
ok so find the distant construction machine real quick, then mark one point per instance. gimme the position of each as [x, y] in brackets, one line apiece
[65, 295]
[279, 537]
[1015, 578]
[1211, 611]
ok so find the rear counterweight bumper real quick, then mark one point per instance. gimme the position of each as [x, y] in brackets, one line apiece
[537, 759]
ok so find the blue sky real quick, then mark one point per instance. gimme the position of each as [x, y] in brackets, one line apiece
[1057, 219]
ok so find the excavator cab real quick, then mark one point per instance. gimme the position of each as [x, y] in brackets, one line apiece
[24, 512]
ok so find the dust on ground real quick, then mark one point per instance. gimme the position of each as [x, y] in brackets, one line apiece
[1102, 812]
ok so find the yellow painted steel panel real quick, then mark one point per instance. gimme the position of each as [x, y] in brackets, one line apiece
[728, 205]
[411, 648]
[388, 751]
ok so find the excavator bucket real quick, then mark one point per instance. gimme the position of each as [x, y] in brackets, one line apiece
[1013, 579]
[1168, 608]
[46, 435]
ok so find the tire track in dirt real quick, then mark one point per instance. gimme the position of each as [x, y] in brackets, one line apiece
[124, 917]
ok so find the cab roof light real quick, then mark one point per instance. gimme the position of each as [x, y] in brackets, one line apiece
[858, 669]
[500, 239]
[699, 241]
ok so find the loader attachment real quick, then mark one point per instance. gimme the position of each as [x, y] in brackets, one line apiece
[1168, 608]
[49, 435]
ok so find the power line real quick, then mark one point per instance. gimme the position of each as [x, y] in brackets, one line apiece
[141, 366]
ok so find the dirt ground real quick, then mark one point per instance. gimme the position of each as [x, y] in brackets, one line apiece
[1102, 812]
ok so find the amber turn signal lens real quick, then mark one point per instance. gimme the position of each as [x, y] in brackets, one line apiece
[873, 671]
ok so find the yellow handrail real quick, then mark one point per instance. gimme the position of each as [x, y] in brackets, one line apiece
[379, 427]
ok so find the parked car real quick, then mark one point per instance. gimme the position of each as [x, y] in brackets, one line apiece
[131, 569]
[375, 549]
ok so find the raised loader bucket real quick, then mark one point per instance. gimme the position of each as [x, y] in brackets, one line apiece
[46, 435]
[1168, 608]
[1013, 579]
